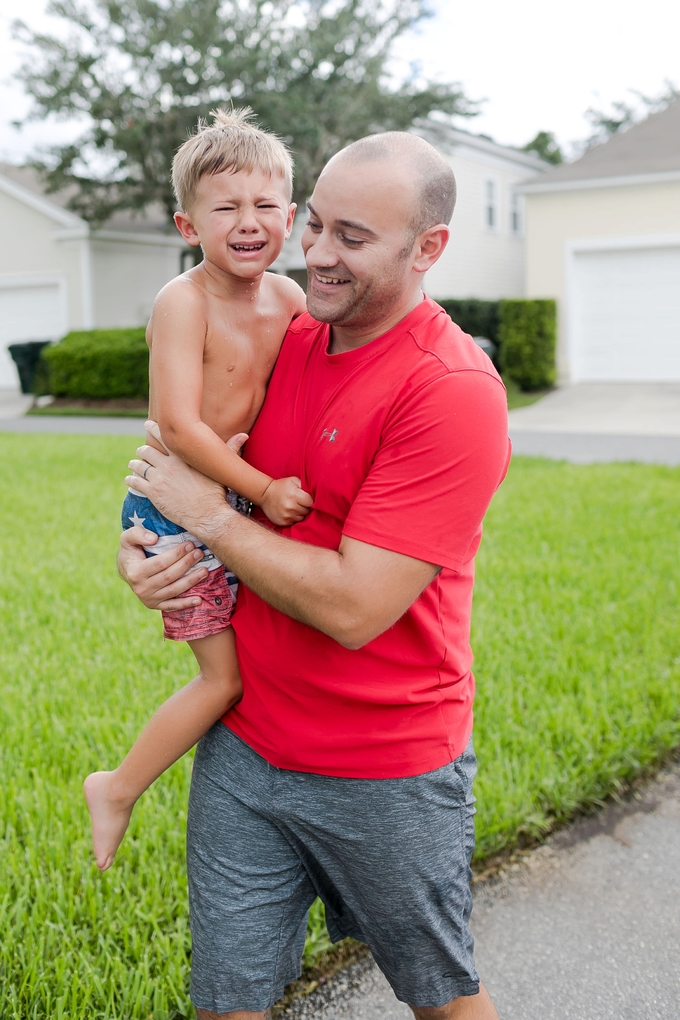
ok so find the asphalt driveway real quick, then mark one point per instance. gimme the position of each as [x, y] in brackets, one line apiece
[586, 928]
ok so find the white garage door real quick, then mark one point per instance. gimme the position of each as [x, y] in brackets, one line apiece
[625, 315]
[28, 311]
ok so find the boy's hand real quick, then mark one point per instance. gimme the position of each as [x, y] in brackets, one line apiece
[285, 502]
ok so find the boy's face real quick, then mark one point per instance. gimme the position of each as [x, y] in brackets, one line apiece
[240, 220]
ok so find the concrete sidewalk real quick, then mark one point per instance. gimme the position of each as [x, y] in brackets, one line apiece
[589, 423]
[617, 409]
[584, 448]
[13, 404]
[76, 425]
[586, 928]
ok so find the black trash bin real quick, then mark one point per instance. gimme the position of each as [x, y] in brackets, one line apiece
[26, 357]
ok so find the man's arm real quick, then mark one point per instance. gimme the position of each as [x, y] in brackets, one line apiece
[352, 595]
[450, 447]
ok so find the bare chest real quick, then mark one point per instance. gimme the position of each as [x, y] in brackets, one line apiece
[239, 356]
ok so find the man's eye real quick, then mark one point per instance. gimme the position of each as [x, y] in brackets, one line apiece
[353, 242]
[313, 226]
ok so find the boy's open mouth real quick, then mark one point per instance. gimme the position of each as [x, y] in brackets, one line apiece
[248, 247]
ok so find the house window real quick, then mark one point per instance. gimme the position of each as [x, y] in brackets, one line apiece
[516, 224]
[490, 204]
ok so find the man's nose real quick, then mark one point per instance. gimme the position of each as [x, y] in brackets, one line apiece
[320, 252]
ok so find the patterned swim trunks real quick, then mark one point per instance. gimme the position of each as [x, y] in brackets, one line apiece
[218, 591]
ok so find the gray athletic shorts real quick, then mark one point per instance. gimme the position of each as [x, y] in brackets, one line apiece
[390, 858]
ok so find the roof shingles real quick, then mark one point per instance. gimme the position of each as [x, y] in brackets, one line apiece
[649, 147]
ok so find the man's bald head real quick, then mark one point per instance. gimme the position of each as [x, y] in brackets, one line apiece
[432, 175]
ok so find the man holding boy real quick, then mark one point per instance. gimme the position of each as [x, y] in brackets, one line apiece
[346, 770]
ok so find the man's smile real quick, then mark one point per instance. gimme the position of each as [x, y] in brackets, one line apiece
[332, 280]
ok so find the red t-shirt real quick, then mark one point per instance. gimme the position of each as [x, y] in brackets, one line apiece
[402, 443]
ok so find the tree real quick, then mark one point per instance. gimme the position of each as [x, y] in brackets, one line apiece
[143, 71]
[623, 114]
[545, 145]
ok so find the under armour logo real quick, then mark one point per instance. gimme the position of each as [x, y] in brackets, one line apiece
[331, 435]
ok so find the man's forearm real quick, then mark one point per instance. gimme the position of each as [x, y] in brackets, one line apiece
[352, 594]
[303, 581]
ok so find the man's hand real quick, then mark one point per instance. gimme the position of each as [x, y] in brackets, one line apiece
[285, 502]
[159, 581]
[181, 493]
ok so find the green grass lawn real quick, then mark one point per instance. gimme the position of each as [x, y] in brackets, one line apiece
[578, 670]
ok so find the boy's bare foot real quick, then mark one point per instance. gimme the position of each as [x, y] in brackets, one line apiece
[110, 817]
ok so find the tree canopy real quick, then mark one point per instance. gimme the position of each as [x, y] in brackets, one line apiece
[623, 114]
[545, 145]
[141, 72]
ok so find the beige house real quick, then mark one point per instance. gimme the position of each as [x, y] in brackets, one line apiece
[603, 237]
[58, 274]
[485, 256]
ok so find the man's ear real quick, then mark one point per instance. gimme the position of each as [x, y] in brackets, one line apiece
[186, 228]
[429, 247]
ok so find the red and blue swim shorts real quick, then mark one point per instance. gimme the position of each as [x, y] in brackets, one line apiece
[217, 592]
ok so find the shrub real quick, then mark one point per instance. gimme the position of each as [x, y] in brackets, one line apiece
[478, 318]
[527, 332]
[102, 364]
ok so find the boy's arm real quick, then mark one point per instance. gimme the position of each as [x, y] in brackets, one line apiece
[176, 366]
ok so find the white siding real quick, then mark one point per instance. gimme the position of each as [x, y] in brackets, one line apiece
[126, 276]
[32, 247]
[481, 260]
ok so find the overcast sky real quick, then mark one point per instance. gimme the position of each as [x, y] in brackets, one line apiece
[538, 64]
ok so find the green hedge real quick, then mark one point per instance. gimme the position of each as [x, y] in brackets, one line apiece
[527, 333]
[102, 364]
[478, 318]
[106, 364]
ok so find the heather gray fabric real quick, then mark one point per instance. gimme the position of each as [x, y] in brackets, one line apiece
[390, 858]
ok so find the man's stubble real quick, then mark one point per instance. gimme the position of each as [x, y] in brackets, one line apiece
[366, 304]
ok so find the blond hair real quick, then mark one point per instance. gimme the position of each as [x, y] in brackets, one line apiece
[232, 142]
